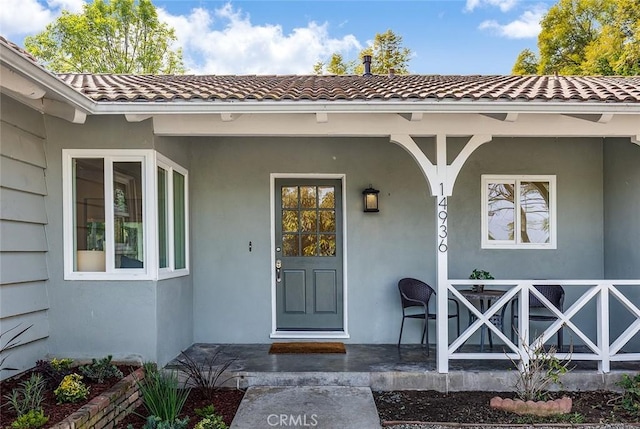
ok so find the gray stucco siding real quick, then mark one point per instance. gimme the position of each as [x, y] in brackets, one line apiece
[23, 244]
[230, 206]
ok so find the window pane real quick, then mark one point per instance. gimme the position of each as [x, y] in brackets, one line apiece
[179, 221]
[328, 221]
[89, 216]
[289, 220]
[163, 218]
[128, 215]
[308, 220]
[327, 245]
[290, 197]
[290, 245]
[308, 197]
[309, 245]
[326, 197]
[534, 212]
[501, 211]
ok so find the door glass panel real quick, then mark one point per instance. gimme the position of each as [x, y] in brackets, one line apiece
[501, 211]
[290, 197]
[534, 212]
[327, 221]
[290, 221]
[308, 220]
[308, 197]
[309, 245]
[326, 197]
[290, 245]
[327, 245]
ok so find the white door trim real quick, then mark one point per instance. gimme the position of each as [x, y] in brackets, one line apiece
[344, 333]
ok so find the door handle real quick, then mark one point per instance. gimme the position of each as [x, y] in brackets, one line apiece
[278, 271]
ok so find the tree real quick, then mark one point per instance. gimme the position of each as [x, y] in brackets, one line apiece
[584, 37]
[386, 53]
[117, 36]
[527, 63]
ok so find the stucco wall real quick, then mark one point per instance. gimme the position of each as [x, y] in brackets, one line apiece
[95, 318]
[622, 223]
[23, 242]
[230, 202]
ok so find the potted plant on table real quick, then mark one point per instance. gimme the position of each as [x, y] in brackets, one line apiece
[477, 274]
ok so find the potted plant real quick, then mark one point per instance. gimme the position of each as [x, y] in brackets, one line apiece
[477, 274]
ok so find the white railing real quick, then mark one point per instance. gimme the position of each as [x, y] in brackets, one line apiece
[579, 294]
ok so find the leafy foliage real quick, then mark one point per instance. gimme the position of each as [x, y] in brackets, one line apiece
[477, 274]
[100, 370]
[54, 370]
[587, 37]
[161, 394]
[154, 422]
[209, 419]
[537, 370]
[117, 36]
[387, 52]
[71, 389]
[28, 396]
[207, 374]
[32, 419]
[630, 399]
[13, 342]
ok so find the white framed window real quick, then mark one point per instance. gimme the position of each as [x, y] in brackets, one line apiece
[173, 218]
[110, 214]
[519, 212]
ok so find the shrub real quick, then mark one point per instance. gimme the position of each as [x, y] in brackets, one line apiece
[28, 396]
[100, 370]
[54, 370]
[630, 399]
[205, 374]
[31, 419]
[71, 389]
[154, 422]
[209, 419]
[161, 394]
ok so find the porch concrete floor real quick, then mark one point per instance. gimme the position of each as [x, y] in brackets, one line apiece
[385, 367]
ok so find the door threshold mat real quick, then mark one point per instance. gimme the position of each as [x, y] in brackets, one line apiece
[307, 348]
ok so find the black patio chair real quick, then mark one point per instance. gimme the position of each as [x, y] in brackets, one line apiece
[415, 293]
[555, 295]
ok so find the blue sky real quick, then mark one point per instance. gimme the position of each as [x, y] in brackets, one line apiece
[289, 36]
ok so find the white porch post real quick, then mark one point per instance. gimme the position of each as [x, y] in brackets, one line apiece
[441, 178]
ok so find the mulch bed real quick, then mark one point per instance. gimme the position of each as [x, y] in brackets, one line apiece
[473, 407]
[55, 412]
[225, 402]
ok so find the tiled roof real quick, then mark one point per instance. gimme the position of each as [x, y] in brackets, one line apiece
[169, 88]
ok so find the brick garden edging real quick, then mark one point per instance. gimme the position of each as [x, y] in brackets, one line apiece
[109, 408]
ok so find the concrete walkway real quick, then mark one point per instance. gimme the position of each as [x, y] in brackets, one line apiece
[320, 407]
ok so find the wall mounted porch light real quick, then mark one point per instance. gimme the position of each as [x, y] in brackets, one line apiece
[370, 200]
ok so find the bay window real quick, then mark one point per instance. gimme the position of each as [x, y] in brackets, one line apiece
[118, 215]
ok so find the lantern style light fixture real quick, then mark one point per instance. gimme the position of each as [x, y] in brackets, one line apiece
[370, 200]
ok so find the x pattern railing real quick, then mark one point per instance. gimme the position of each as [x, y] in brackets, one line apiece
[602, 349]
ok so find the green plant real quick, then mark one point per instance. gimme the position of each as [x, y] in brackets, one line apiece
[71, 389]
[477, 274]
[206, 374]
[161, 395]
[54, 371]
[537, 370]
[209, 419]
[13, 342]
[154, 422]
[100, 370]
[28, 396]
[31, 419]
[630, 399]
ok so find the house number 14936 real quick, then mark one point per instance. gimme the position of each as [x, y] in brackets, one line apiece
[442, 223]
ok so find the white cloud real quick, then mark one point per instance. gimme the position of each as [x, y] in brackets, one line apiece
[227, 42]
[504, 5]
[526, 26]
[20, 17]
